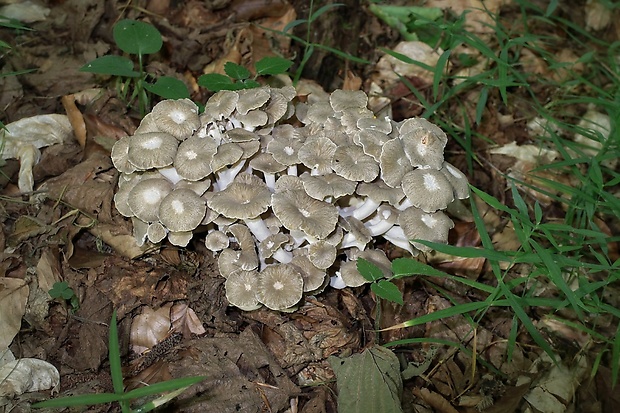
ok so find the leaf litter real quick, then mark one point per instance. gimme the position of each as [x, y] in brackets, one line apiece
[69, 230]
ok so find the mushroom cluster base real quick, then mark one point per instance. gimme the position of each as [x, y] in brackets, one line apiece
[289, 193]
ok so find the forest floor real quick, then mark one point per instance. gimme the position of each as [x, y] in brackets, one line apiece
[528, 96]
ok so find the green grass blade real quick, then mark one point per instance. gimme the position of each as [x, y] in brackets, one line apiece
[114, 356]
[79, 400]
[161, 387]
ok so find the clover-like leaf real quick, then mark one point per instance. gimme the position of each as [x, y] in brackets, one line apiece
[216, 82]
[369, 270]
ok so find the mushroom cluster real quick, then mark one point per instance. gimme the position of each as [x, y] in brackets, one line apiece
[288, 193]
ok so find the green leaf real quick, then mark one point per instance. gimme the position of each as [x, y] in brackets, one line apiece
[388, 291]
[368, 382]
[250, 84]
[216, 82]
[272, 65]
[236, 71]
[315, 15]
[114, 357]
[168, 88]
[79, 400]
[369, 270]
[111, 65]
[161, 387]
[136, 37]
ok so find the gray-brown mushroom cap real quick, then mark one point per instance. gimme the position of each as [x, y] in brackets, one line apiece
[352, 163]
[145, 197]
[250, 99]
[248, 259]
[228, 262]
[417, 224]
[372, 142]
[246, 197]
[457, 179]
[424, 148]
[119, 154]
[182, 210]
[180, 239]
[220, 105]
[314, 277]
[394, 163]
[285, 144]
[322, 254]
[272, 243]
[227, 154]
[216, 241]
[345, 99]
[156, 232]
[380, 192]
[280, 286]
[330, 185]
[350, 275]
[193, 158]
[428, 189]
[179, 118]
[241, 290]
[317, 154]
[152, 150]
[298, 211]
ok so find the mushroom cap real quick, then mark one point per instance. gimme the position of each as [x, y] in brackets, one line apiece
[240, 135]
[246, 197]
[180, 239]
[350, 275]
[322, 254]
[228, 262]
[278, 104]
[248, 257]
[352, 163]
[250, 99]
[272, 243]
[380, 192]
[285, 144]
[216, 241]
[394, 163]
[318, 113]
[156, 232]
[182, 210]
[140, 229]
[428, 189]
[266, 163]
[345, 99]
[253, 119]
[179, 117]
[375, 124]
[152, 150]
[193, 158]
[329, 185]
[220, 105]
[317, 153]
[424, 147]
[457, 179]
[372, 142]
[298, 211]
[144, 198]
[227, 154]
[313, 277]
[280, 286]
[417, 224]
[119, 153]
[147, 124]
[241, 290]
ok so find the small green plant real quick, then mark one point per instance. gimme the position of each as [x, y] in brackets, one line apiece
[382, 287]
[238, 77]
[174, 387]
[61, 290]
[139, 39]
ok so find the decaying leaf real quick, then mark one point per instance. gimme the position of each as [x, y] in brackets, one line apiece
[13, 298]
[27, 375]
[368, 382]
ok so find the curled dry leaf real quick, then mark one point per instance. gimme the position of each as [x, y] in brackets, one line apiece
[27, 375]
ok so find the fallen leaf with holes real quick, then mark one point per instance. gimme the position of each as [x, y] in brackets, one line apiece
[27, 375]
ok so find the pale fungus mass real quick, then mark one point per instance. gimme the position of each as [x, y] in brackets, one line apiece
[286, 194]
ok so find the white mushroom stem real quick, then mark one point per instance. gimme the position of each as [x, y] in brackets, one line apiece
[405, 203]
[397, 236]
[349, 240]
[361, 211]
[226, 176]
[337, 282]
[170, 173]
[270, 180]
[259, 229]
[378, 226]
[292, 170]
